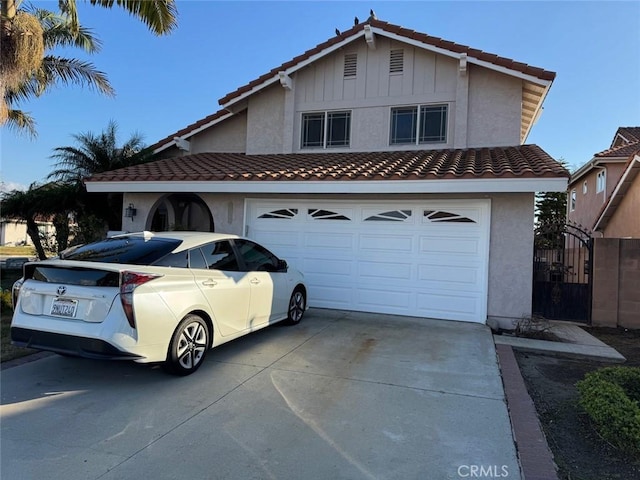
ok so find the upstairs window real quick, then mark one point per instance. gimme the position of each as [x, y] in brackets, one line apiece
[419, 124]
[326, 129]
[584, 188]
[572, 203]
[601, 181]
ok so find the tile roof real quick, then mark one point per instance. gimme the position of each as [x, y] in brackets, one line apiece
[522, 161]
[623, 151]
[403, 32]
[631, 134]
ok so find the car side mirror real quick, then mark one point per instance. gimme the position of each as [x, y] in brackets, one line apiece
[282, 266]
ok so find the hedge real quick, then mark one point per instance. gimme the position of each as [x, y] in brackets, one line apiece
[611, 397]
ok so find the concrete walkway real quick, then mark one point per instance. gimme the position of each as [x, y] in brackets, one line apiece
[575, 343]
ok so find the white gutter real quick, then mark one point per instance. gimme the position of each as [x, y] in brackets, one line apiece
[475, 185]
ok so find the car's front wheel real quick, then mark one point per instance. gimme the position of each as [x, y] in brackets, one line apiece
[189, 346]
[297, 305]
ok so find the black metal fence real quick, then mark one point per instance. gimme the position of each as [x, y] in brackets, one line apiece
[562, 274]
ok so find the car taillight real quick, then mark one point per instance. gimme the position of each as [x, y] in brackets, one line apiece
[15, 291]
[129, 281]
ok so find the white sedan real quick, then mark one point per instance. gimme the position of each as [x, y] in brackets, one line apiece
[154, 297]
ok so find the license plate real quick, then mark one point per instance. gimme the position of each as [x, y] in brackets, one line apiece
[64, 307]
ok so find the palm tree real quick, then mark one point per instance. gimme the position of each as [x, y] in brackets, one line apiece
[57, 32]
[27, 34]
[95, 154]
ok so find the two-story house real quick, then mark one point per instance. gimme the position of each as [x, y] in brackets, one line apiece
[604, 194]
[389, 166]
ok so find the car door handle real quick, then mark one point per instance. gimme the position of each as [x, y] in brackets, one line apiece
[209, 283]
[254, 281]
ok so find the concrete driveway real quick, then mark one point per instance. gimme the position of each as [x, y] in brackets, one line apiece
[343, 395]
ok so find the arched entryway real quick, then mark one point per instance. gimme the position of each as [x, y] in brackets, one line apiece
[180, 211]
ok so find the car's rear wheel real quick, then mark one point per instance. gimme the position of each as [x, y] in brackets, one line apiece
[297, 305]
[189, 346]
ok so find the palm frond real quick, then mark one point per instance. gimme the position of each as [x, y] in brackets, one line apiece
[160, 16]
[22, 123]
[72, 71]
[60, 32]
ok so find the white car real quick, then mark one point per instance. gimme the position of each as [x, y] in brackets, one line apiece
[154, 297]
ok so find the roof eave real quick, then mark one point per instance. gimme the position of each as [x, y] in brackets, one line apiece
[459, 186]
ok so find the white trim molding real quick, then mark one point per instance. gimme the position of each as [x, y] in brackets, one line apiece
[472, 185]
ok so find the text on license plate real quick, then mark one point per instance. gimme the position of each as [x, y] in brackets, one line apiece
[64, 307]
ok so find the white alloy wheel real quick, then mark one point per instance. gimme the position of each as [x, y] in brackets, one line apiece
[189, 346]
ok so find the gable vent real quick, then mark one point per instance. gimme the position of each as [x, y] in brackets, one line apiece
[396, 61]
[350, 65]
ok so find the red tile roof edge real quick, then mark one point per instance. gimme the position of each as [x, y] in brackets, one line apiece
[522, 161]
[405, 32]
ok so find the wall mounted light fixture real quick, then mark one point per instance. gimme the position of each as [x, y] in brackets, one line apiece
[130, 212]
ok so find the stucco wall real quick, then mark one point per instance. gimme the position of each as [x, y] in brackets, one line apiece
[511, 257]
[626, 221]
[227, 136]
[616, 267]
[265, 121]
[494, 108]
[511, 242]
[488, 113]
[589, 205]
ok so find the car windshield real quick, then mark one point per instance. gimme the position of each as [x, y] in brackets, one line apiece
[132, 250]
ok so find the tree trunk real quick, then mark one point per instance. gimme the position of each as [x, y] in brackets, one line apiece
[34, 234]
[61, 224]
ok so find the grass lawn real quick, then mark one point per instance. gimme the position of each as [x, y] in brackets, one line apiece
[18, 251]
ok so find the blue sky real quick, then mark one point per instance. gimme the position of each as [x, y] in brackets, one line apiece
[165, 83]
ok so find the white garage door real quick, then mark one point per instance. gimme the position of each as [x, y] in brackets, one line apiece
[425, 259]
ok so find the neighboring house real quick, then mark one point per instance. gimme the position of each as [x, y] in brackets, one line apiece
[14, 232]
[387, 165]
[604, 194]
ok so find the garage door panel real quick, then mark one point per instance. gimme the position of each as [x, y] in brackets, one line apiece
[322, 295]
[327, 266]
[382, 299]
[386, 243]
[381, 271]
[420, 258]
[449, 245]
[333, 241]
[462, 276]
[442, 304]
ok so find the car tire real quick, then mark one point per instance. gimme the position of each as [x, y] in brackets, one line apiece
[297, 305]
[189, 345]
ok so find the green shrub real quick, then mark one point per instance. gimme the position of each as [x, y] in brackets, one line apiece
[611, 397]
[5, 302]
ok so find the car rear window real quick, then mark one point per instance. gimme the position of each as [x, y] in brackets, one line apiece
[72, 276]
[130, 250]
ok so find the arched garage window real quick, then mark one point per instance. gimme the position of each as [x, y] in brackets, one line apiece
[181, 211]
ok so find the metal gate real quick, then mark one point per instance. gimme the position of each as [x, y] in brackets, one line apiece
[562, 273]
